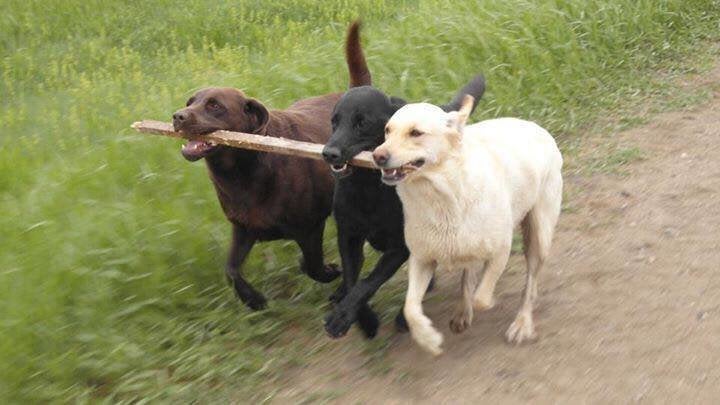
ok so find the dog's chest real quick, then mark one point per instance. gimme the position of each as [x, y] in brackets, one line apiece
[450, 242]
[372, 208]
[451, 231]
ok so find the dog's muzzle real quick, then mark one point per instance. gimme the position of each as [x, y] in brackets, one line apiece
[393, 176]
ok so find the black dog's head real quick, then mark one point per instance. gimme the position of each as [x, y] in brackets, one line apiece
[217, 108]
[359, 118]
[358, 124]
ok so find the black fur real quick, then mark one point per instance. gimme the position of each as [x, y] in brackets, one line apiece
[364, 208]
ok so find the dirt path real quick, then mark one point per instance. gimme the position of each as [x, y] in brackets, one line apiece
[629, 306]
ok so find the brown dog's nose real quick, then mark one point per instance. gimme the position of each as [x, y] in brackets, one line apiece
[381, 157]
[180, 117]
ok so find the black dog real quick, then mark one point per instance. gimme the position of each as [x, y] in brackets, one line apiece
[365, 208]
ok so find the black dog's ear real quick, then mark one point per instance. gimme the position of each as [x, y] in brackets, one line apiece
[397, 102]
[474, 88]
[258, 116]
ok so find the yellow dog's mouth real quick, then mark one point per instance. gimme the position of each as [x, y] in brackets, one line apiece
[395, 175]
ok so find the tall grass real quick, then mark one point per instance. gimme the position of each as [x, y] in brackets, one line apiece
[111, 245]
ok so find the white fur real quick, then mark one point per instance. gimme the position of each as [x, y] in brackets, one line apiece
[478, 183]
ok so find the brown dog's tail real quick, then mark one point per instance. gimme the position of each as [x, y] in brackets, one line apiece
[359, 73]
[475, 88]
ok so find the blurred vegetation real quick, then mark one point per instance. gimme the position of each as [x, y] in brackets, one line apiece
[112, 245]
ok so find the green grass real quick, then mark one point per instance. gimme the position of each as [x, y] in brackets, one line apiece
[112, 245]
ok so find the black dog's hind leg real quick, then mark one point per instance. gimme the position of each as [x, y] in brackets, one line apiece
[312, 262]
[240, 246]
[355, 307]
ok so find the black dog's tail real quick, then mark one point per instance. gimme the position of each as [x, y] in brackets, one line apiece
[475, 88]
[359, 72]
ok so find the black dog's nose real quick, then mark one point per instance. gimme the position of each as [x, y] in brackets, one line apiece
[332, 154]
[381, 157]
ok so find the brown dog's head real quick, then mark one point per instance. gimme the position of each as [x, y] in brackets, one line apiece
[217, 108]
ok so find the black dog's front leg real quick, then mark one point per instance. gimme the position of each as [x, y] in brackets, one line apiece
[312, 263]
[355, 307]
[240, 247]
[351, 257]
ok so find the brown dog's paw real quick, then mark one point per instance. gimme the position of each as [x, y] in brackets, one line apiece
[321, 274]
[255, 301]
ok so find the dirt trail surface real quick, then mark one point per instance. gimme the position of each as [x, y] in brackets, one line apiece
[629, 304]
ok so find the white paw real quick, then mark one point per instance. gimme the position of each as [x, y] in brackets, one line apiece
[482, 303]
[521, 330]
[427, 337]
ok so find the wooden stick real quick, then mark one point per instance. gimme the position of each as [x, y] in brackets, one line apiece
[256, 142]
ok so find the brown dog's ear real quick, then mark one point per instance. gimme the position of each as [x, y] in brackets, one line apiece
[257, 115]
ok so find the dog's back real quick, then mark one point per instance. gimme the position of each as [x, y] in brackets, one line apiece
[525, 153]
[507, 163]
[307, 120]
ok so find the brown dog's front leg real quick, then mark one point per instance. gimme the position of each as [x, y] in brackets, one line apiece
[240, 247]
[312, 263]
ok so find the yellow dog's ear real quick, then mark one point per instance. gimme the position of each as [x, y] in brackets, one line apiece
[457, 119]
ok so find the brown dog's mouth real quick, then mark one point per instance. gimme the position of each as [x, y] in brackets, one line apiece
[195, 150]
[395, 175]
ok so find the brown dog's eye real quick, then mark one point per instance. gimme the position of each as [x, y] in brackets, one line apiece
[190, 101]
[212, 104]
[415, 133]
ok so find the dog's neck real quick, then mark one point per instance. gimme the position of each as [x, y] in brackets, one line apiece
[233, 162]
[228, 162]
[439, 187]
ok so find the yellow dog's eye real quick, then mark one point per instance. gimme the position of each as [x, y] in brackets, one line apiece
[415, 133]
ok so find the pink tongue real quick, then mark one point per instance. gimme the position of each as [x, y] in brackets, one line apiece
[195, 147]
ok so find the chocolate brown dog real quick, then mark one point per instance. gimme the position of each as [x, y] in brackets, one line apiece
[267, 196]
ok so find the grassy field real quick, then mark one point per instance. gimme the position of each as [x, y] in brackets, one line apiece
[112, 246]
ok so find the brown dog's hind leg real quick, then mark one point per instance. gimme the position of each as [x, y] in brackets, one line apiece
[312, 262]
[239, 249]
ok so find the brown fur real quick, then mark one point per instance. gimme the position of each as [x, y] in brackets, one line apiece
[268, 196]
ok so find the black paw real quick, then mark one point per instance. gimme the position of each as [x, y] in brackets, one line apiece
[338, 322]
[338, 295]
[400, 323]
[368, 322]
[332, 271]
